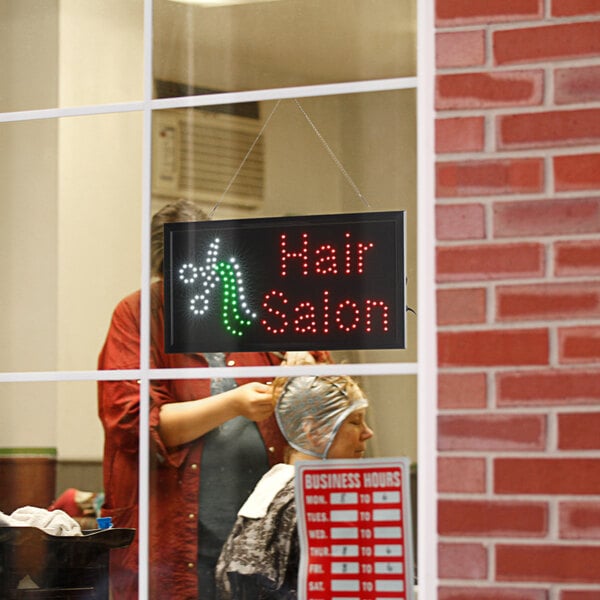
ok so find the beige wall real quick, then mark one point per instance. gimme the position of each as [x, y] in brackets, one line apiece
[28, 221]
[99, 199]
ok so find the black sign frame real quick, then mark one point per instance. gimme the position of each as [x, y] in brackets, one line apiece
[314, 282]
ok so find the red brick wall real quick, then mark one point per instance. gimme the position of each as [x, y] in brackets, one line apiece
[518, 272]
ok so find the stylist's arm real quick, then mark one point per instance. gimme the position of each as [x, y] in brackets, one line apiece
[183, 422]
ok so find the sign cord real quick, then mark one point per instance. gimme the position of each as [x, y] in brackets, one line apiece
[237, 172]
[335, 159]
[323, 141]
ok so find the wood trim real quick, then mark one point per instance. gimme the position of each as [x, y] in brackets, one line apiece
[26, 481]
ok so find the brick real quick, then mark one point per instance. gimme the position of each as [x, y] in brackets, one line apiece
[460, 306]
[572, 8]
[491, 593]
[485, 262]
[459, 221]
[459, 49]
[577, 258]
[578, 84]
[546, 217]
[548, 388]
[548, 301]
[547, 43]
[489, 90]
[461, 475]
[458, 12]
[548, 563]
[485, 177]
[579, 594]
[462, 561]
[492, 518]
[579, 345]
[563, 476]
[549, 129]
[579, 431]
[462, 390]
[459, 134]
[579, 520]
[493, 348]
[491, 432]
[577, 172]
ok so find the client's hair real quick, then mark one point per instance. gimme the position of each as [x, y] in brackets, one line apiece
[310, 410]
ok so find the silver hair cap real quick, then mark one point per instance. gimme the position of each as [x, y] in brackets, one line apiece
[310, 410]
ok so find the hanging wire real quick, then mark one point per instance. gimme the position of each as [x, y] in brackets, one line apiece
[335, 159]
[262, 129]
[327, 147]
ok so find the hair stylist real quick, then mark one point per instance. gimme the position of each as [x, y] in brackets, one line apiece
[210, 443]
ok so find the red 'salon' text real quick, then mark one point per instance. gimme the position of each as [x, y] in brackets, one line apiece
[329, 315]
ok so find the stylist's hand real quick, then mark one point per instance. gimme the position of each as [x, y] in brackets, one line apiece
[255, 401]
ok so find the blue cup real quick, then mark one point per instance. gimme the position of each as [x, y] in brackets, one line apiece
[104, 522]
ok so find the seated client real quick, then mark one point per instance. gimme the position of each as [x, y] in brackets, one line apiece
[321, 418]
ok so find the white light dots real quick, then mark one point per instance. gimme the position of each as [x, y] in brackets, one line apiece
[211, 273]
[188, 273]
[199, 304]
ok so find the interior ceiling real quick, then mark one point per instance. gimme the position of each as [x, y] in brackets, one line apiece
[284, 42]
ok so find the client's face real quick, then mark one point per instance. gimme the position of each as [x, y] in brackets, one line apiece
[352, 436]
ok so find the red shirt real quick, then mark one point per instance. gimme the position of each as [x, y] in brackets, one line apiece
[174, 472]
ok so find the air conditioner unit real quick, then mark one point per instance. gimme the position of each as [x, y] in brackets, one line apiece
[196, 154]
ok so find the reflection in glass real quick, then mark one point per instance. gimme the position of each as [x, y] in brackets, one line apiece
[58, 54]
[203, 46]
[69, 248]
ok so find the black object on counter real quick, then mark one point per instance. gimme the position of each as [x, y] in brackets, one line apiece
[62, 567]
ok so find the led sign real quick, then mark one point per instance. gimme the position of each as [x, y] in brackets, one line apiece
[295, 283]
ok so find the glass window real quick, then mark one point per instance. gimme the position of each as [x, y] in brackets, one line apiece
[70, 236]
[214, 475]
[331, 154]
[119, 138]
[351, 153]
[204, 46]
[65, 53]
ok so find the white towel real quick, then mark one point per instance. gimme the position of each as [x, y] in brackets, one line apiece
[53, 522]
[266, 489]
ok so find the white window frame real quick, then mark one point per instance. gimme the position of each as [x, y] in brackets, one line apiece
[425, 367]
